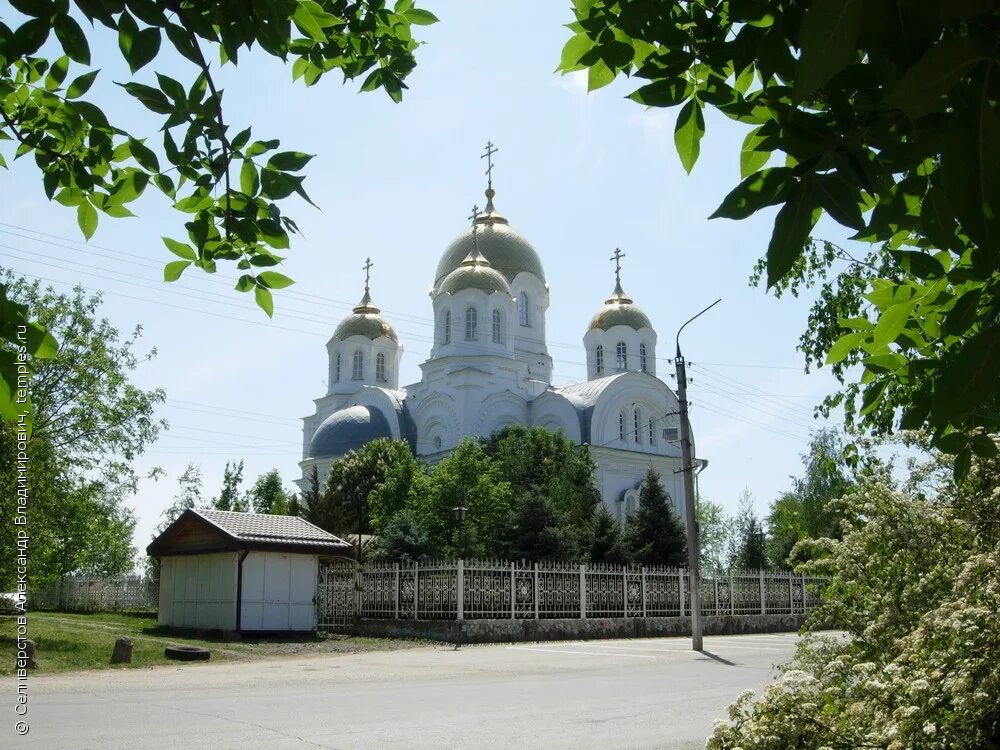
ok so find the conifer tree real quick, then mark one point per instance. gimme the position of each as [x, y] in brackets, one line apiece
[538, 533]
[654, 534]
[606, 545]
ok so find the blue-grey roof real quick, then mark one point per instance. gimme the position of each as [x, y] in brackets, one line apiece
[348, 429]
[584, 396]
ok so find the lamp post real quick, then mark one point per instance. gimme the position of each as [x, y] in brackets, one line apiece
[460, 512]
[687, 468]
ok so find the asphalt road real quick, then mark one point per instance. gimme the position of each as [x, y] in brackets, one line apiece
[582, 694]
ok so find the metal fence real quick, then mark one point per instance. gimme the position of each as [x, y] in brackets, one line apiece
[504, 589]
[97, 594]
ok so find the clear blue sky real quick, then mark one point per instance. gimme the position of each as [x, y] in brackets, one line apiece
[578, 174]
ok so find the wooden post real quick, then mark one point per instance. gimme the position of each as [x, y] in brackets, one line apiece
[583, 592]
[460, 589]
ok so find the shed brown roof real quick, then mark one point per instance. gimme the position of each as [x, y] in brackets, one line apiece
[235, 530]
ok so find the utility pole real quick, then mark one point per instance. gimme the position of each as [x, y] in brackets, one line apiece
[687, 468]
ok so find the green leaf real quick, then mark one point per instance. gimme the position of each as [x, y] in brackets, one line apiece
[72, 39]
[598, 76]
[828, 40]
[577, 46]
[764, 188]
[145, 156]
[919, 264]
[937, 219]
[244, 283]
[86, 217]
[665, 92]
[890, 324]
[844, 346]
[420, 17]
[963, 313]
[289, 161]
[970, 379]
[249, 181]
[264, 300]
[274, 280]
[81, 84]
[791, 231]
[153, 99]
[259, 147]
[840, 199]
[173, 270]
[57, 73]
[752, 159]
[180, 249]
[963, 463]
[688, 131]
[307, 23]
[983, 446]
[971, 171]
[924, 85]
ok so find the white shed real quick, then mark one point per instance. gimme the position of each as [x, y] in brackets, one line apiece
[244, 572]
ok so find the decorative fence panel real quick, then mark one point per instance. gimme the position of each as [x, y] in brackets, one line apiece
[97, 594]
[504, 589]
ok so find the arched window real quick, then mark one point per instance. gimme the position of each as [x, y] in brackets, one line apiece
[599, 360]
[652, 432]
[522, 309]
[621, 426]
[471, 324]
[357, 365]
[622, 356]
[497, 326]
[635, 420]
[380, 367]
[437, 442]
[446, 326]
[642, 357]
[336, 369]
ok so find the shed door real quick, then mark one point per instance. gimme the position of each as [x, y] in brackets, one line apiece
[278, 591]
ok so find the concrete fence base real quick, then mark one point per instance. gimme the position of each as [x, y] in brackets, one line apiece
[511, 631]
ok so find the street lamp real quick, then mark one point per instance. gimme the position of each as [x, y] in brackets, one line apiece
[687, 467]
[460, 512]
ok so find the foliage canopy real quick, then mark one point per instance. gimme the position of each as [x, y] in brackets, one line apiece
[885, 117]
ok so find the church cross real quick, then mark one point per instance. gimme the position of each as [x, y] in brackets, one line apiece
[617, 258]
[368, 270]
[475, 214]
[488, 155]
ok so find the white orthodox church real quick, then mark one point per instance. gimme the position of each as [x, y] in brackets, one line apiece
[489, 368]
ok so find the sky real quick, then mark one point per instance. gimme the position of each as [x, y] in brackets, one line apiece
[578, 174]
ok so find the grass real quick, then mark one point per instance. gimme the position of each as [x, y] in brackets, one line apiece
[71, 642]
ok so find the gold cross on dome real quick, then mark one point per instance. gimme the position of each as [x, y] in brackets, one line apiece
[488, 155]
[475, 214]
[617, 258]
[368, 271]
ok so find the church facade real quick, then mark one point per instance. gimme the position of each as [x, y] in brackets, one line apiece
[489, 368]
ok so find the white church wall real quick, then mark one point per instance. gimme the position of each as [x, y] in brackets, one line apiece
[554, 412]
[609, 341]
[619, 471]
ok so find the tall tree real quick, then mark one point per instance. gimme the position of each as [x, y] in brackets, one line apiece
[714, 532]
[403, 540]
[90, 423]
[883, 116]
[748, 540]
[268, 495]
[654, 534]
[537, 532]
[808, 510]
[607, 544]
[229, 497]
[188, 495]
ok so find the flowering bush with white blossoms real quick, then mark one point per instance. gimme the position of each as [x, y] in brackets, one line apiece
[915, 583]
